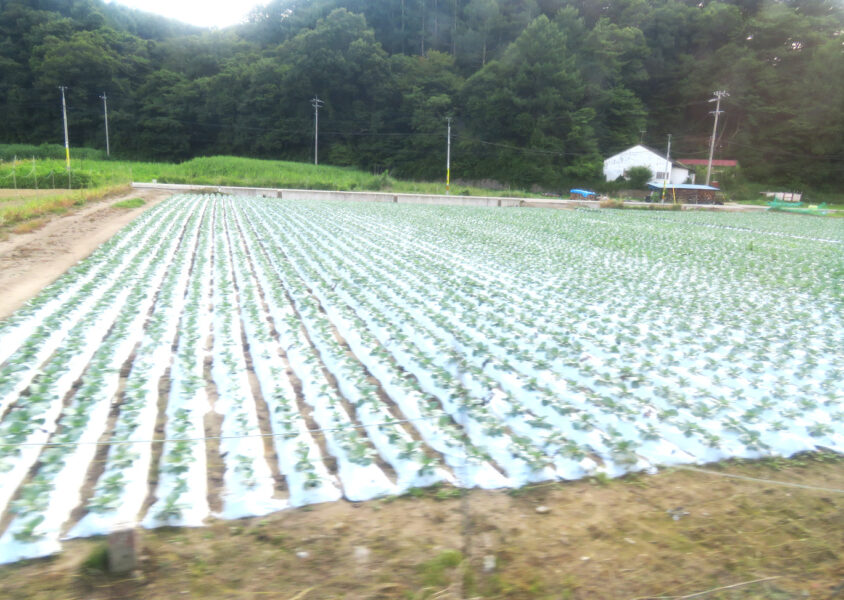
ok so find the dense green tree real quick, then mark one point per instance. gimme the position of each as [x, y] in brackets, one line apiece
[539, 90]
[532, 97]
[429, 88]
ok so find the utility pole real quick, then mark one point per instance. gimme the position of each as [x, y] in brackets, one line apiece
[642, 135]
[667, 168]
[64, 119]
[105, 112]
[717, 100]
[316, 103]
[448, 159]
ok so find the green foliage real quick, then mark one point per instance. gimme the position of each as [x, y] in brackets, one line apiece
[131, 203]
[638, 177]
[539, 92]
[24, 152]
[97, 560]
[219, 170]
[435, 572]
[447, 493]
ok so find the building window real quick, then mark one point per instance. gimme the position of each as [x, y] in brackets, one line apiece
[660, 175]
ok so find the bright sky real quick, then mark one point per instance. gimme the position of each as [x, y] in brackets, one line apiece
[205, 13]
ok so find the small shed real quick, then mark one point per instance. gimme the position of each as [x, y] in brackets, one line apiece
[688, 193]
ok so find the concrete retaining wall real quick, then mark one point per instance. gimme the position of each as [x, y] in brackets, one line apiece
[564, 203]
[419, 198]
[339, 196]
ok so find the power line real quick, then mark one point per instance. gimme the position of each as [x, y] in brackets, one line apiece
[217, 437]
[780, 150]
[761, 480]
[379, 424]
[519, 148]
[709, 591]
[410, 134]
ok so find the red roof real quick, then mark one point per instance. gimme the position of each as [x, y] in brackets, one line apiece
[702, 161]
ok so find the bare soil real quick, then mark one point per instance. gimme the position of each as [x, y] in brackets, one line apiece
[31, 261]
[6, 194]
[672, 535]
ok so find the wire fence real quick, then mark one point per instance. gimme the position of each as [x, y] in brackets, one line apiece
[392, 422]
[24, 175]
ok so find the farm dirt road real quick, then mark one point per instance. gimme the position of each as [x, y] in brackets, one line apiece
[31, 261]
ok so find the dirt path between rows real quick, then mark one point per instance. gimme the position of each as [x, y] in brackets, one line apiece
[31, 261]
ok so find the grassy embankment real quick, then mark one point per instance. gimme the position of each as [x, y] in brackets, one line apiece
[92, 178]
[22, 211]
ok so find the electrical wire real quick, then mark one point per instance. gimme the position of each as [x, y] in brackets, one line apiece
[519, 148]
[761, 480]
[299, 131]
[323, 430]
[216, 437]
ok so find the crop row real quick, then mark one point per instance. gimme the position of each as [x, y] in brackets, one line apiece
[232, 357]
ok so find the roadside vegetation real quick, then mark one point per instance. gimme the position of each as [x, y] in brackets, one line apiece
[37, 173]
[22, 211]
[38, 186]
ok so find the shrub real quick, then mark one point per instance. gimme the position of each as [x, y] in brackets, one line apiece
[611, 203]
[638, 177]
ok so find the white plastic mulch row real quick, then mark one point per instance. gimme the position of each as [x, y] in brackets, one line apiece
[299, 456]
[64, 295]
[34, 333]
[404, 454]
[802, 433]
[122, 487]
[480, 347]
[98, 349]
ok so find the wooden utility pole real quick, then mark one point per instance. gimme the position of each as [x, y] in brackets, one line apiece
[316, 103]
[716, 112]
[64, 120]
[448, 159]
[105, 113]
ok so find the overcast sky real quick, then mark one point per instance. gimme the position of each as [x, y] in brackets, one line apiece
[205, 13]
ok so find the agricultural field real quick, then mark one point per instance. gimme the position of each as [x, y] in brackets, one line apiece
[231, 357]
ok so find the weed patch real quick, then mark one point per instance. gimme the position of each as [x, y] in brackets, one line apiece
[437, 572]
[131, 203]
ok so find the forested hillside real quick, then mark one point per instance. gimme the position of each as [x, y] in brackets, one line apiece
[540, 91]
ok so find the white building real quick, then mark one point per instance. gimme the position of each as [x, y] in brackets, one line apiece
[642, 156]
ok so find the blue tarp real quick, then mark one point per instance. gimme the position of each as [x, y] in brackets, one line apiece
[582, 192]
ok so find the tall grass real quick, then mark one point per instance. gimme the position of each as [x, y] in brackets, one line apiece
[92, 178]
[231, 170]
[15, 212]
[8, 152]
[218, 170]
